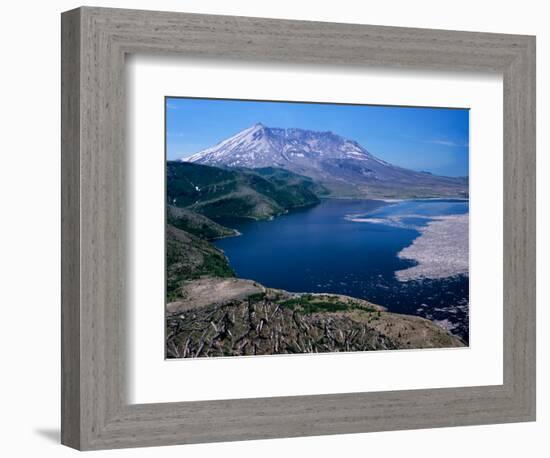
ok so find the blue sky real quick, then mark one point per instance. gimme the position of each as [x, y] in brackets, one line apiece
[430, 139]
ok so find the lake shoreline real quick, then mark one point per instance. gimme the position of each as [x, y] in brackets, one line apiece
[319, 250]
[441, 250]
[383, 202]
[397, 199]
[435, 249]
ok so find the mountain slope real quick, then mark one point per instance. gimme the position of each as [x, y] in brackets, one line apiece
[234, 317]
[196, 224]
[190, 257]
[223, 193]
[343, 166]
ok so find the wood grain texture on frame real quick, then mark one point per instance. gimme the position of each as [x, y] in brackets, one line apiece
[95, 412]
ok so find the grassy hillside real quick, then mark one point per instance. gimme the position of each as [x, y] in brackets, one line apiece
[291, 190]
[221, 193]
[196, 224]
[190, 257]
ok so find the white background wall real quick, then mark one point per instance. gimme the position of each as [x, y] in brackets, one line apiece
[29, 239]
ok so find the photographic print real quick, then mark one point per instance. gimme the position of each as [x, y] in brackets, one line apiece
[300, 227]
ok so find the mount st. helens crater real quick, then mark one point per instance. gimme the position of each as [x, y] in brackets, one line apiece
[343, 166]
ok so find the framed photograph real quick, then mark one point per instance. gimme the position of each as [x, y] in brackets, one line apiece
[284, 240]
[285, 228]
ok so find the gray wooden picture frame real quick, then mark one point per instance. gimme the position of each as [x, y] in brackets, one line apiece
[95, 412]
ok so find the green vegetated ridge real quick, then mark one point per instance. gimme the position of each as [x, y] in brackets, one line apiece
[220, 193]
[197, 193]
[190, 257]
[196, 224]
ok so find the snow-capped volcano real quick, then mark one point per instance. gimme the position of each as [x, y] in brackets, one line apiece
[261, 146]
[343, 165]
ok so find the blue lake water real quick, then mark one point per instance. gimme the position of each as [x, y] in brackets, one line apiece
[320, 249]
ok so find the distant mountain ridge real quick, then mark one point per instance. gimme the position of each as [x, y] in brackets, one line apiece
[345, 167]
[227, 193]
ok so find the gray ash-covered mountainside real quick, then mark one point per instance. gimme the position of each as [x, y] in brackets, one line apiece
[345, 167]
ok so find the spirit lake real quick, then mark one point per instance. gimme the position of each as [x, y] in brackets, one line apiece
[351, 247]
